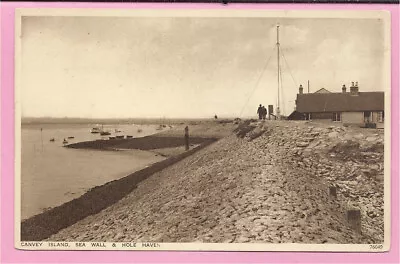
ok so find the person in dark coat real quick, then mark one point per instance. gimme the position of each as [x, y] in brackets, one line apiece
[264, 112]
[259, 112]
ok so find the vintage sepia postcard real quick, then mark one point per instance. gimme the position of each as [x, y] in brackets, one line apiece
[209, 130]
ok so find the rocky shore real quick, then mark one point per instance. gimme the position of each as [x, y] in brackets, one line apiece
[268, 183]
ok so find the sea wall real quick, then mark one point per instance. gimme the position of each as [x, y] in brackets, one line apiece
[142, 143]
[268, 183]
[199, 133]
[42, 226]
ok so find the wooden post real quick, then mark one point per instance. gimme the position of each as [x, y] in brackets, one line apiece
[187, 138]
[332, 192]
[354, 219]
[41, 136]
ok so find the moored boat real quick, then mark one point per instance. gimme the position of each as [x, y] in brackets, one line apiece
[95, 130]
[105, 133]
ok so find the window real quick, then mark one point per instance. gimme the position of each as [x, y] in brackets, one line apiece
[337, 117]
[381, 116]
[308, 116]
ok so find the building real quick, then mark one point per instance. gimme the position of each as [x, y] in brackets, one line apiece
[353, 107]
[322, 90]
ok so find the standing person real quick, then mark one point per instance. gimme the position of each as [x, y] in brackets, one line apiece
[187, 138]
[264, 113]
[259, 112]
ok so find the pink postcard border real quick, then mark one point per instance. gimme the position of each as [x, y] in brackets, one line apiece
[10, 255]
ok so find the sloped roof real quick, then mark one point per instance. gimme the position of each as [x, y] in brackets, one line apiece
[296, 115]
[340, 102]
[322, 90]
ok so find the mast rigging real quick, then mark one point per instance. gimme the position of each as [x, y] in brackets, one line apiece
[280, 52]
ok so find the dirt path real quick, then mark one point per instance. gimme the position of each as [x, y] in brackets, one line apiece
[235, 190]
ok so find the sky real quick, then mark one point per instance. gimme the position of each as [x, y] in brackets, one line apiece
[136, 67]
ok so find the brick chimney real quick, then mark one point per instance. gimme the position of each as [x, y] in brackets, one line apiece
[301, 89]
[344, 88]
[354, 88]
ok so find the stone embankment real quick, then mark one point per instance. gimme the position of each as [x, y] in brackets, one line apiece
[268, 183]
[201, 132]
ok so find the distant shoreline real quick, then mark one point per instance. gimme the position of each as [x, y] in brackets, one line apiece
[138, 121]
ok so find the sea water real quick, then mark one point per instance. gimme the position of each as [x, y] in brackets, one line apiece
[52, 174]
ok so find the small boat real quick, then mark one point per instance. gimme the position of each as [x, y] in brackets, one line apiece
[105, 133]
[71, 137]
[52, 140]
[117, 131]
[95, 130]
[65, 141]
[129, 136]
[119, 137]
[111, 137]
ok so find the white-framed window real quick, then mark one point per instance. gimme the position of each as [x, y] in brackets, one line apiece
[308, 116]
[336, 117]
[381, 116]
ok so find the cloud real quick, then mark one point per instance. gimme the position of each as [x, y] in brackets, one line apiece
[187, 65]
[294, 35]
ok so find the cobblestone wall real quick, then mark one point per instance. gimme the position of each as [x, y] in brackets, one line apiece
[269, 188]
